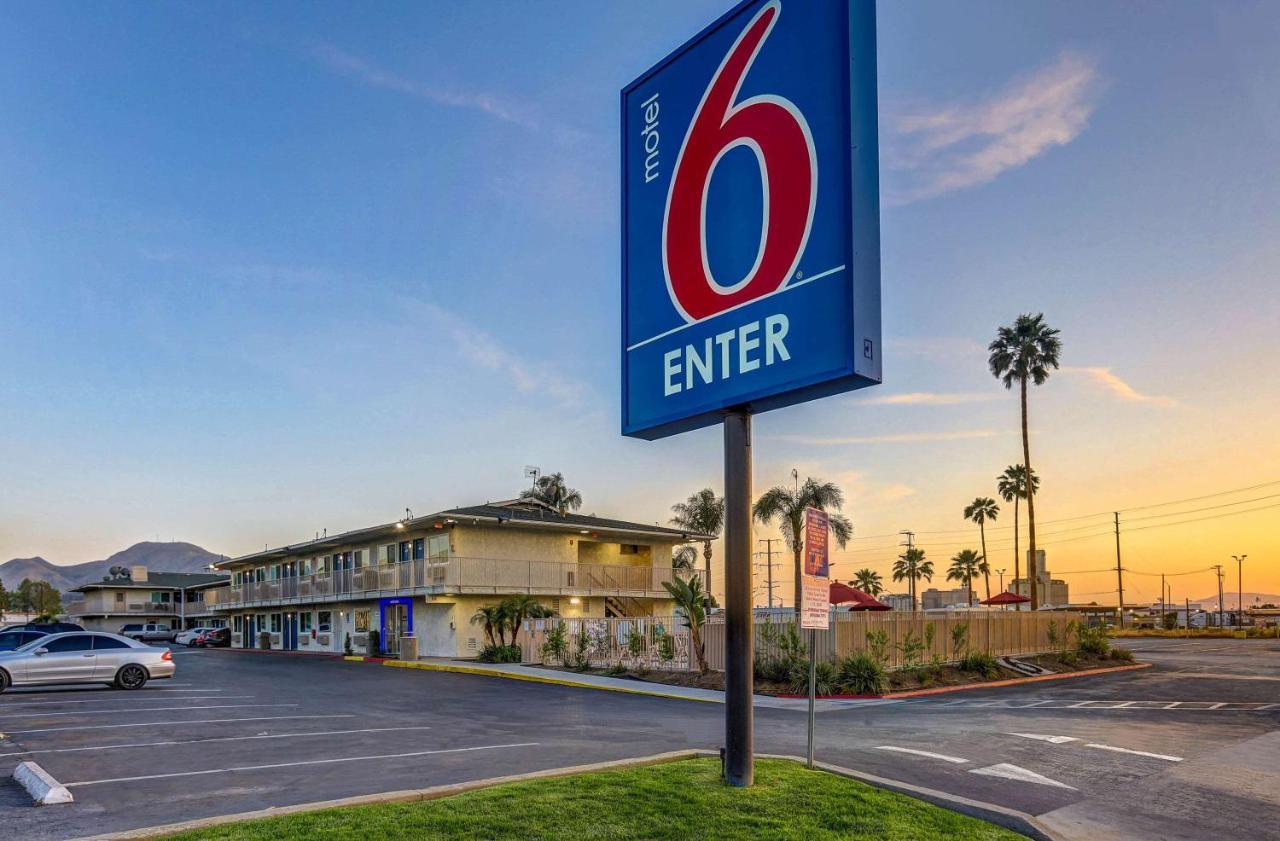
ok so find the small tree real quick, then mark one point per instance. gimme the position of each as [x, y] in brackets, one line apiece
[692, 602]
[494, 619]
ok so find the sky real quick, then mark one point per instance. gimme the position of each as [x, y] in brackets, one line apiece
[273, 269]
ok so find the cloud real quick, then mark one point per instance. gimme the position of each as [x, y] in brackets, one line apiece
[942, 148]
[894, 438]
[930, 398]
[527, 375]
[347, 64]
[1117, 387]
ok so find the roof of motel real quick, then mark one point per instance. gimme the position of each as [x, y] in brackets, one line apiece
[160, 581]
[521, 513]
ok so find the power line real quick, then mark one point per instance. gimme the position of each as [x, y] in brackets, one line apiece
[1205, 508]
[1198, 498]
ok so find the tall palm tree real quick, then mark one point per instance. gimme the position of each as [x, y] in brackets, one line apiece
[552, 490]
[981, 510]
[786, 505]
[1012, 485]
[966, 566]
[911, 566]
[869, 582]
[701, 513]
[1026, 351]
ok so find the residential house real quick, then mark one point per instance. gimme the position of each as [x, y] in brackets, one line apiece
[428, 576]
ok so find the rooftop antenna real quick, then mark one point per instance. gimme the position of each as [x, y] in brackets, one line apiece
[532, 473]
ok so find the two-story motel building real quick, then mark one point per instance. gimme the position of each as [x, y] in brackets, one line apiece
[429, 575]
[177, 599]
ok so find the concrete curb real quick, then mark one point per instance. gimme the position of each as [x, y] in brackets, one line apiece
[44, 789]
[471, 670]
[404, 796]
[1017, 681]
[1011, 819]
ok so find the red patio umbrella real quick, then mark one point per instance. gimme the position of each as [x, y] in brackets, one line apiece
[855, 598]
[1004, 599]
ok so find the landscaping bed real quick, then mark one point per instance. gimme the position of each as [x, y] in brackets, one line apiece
[677, 800]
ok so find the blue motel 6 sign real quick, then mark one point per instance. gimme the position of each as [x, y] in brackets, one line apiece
[750, 217]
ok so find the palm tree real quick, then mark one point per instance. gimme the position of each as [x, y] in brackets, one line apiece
[552, 490]
[1020, 353]
[966, 566]
[518, 608]
[692, 601]
[702, 513]
[911, 566]
[683, 558]
[869, 582]
[981, 510]
[494, 619]
[1012, 485]
[787, 505]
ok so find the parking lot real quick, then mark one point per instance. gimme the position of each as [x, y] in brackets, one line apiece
[236, 732]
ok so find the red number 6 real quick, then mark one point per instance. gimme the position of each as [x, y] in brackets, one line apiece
[775, 130]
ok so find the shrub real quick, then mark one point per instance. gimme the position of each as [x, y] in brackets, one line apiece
[1122, 654]
[1055, 641]
[583, 643]
[346, 646]
[772, 669]
[500, 654]
[667, 648]
[1093, 640]
[635, 642]
[911, 648]
[982, 663]
[862, 674]
[960, 640]
[556, 645]
[826, 677]
[1069, 658]
[616, 669]
[878, 645]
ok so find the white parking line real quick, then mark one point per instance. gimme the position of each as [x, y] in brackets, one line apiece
[168, 723]
[141, 710]
[298, 764]
[1008, 772]
[175, 743]
[956, 759]
[100, 700]
[1136, 752]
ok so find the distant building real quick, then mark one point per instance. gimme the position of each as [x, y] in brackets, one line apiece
[176, 598]
[899, 601]
[935, 599]
[1053, 591]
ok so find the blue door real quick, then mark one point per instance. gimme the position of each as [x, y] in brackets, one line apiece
[290, 636]
[250, 633]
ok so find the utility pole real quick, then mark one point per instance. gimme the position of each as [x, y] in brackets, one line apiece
[1119, 576]
[911, 581]
[1240, 588]
[1188, 617]
[768, 542]
[1218, 567]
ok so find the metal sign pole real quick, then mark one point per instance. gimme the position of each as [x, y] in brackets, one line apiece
[739, 736]
[813, 686]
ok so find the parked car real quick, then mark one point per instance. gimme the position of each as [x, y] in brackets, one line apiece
[214, 638]
[85, 657]
[9, 640]
[148, 632]
[188, 637]
[45, 627]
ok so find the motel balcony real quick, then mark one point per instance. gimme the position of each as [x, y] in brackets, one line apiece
[449, 576]
[92, 605]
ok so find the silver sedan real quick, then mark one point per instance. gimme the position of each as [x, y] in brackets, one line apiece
[85, 657]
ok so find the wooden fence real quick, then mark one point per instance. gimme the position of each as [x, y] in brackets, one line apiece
[663, 642]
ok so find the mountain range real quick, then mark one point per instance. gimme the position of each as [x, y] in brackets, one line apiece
[1230, 598]
[156, 557]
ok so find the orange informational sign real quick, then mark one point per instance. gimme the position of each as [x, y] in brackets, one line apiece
[814, 593]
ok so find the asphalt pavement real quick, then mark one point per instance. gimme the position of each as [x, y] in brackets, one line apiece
[1184, 750]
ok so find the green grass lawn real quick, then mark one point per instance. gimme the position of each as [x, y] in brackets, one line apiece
[678, 800]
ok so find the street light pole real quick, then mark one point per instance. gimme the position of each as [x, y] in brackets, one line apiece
[1240, 588]
[1000, 572]
[739, 720]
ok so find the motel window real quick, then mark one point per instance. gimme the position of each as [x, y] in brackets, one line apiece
[419, 549]
[237, 624]
[119, 597]
[362, 619]
[159, 598]
[325, 621]
[387, 554]
[438, 547]
[357, 558]
[275, 623]
[406, 551]
[304, 622]
[261, 624]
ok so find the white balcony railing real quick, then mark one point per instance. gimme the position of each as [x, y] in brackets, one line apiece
[453, 575]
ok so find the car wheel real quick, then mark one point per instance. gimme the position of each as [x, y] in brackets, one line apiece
[4, 680]
[131, 677]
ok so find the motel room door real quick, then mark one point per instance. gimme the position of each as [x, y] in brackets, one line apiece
[397, 620]
[289, 638]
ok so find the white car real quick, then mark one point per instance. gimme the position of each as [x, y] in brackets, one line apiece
[85, 657]
[188, 636]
